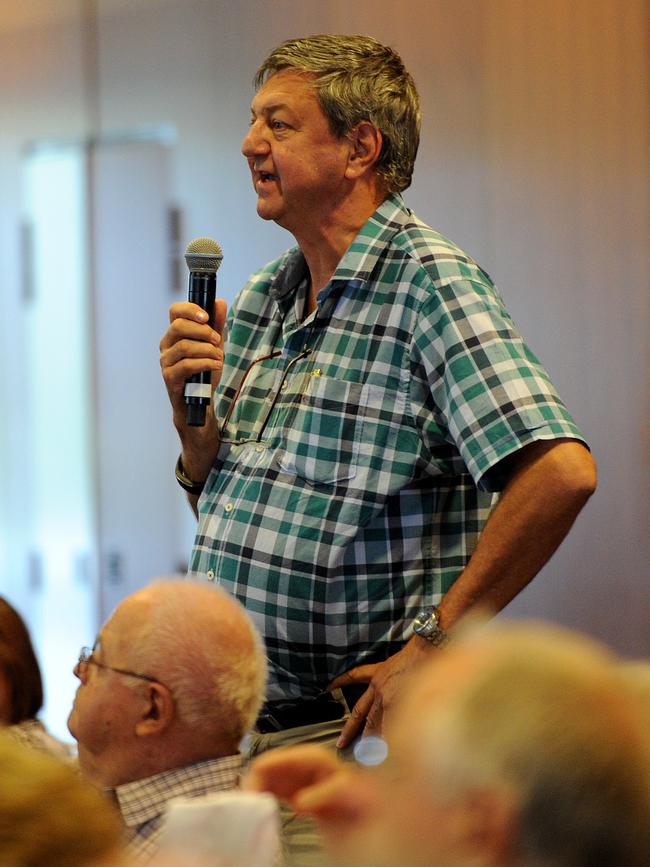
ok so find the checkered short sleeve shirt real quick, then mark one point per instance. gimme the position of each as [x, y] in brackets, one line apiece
[362, 444]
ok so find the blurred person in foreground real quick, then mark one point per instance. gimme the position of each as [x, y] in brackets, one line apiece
[637, 674]
[21, 686]
[174, 681]
[518, 746]
[49, 817]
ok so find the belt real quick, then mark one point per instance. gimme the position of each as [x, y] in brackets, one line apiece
[276, 716]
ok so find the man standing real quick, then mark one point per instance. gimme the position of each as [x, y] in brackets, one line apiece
[372, 397]
[174, 681]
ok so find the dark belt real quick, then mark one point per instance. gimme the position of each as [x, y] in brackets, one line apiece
[279, 715]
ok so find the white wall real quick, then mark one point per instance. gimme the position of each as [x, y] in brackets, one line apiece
[532, 157]
[41, 96]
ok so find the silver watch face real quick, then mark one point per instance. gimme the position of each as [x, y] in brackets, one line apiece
[426, 626]
[425, 623]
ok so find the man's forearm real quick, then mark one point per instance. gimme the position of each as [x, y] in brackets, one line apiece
[548, 487]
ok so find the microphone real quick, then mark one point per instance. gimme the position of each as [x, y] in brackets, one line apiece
[203, 257]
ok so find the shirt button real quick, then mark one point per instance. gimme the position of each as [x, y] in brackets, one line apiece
[229, 507]
[210, 574]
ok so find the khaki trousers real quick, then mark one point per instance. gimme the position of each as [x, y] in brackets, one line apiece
[301, 841]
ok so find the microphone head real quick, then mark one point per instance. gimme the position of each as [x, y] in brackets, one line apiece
[203, 254]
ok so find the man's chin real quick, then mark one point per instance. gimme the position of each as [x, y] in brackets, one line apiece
[271, 209]
[71, 723]
[264, 211]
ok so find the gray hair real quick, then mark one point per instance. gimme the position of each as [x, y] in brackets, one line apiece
[200, 642]
[549, 720]
[357, 79]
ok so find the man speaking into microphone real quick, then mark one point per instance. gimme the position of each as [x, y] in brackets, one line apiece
[384, 453]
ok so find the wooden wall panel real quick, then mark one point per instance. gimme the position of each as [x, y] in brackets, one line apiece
[566, 157]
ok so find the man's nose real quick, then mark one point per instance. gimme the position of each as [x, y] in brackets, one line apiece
[254, 143]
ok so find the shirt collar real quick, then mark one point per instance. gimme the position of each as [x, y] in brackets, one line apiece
[360, 258]
[143, 800]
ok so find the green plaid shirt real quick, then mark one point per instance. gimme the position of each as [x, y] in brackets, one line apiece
[361, 459]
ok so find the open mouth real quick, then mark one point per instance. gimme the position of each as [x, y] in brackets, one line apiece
[266, 177]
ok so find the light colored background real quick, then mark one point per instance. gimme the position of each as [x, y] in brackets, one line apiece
[533, 157]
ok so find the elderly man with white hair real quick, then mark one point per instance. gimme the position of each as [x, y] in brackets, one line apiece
[174, 681]
[517, 746]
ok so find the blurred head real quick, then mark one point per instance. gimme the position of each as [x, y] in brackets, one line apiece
[516, 746]
[21, 688]
[358, 79]
[49, 817]
[637, 675]
[190, 681]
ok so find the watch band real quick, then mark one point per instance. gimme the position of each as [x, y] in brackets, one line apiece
[185, 482]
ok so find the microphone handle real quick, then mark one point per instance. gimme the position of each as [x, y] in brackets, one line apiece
[198, 388]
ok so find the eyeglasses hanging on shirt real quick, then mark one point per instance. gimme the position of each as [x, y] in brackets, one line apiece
[262, 385]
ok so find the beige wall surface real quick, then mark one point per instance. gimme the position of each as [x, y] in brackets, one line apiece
[533, 158]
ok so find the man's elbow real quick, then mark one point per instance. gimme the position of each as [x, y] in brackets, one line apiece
[579, 471]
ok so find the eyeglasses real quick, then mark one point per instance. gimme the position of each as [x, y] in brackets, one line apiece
[86, 658]
[260, 424]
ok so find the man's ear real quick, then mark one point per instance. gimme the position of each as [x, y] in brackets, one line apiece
[366, 141]
[158, 711]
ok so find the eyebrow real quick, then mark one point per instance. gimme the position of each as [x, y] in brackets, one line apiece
[269, 109]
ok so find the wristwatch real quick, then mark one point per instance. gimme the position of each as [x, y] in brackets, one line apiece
[185, 482]
[427, 625]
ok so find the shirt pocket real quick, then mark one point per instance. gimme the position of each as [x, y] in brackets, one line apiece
[322, 443]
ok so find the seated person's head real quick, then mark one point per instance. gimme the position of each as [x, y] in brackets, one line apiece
[49, 817]
[177, 675]
[21, 688]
